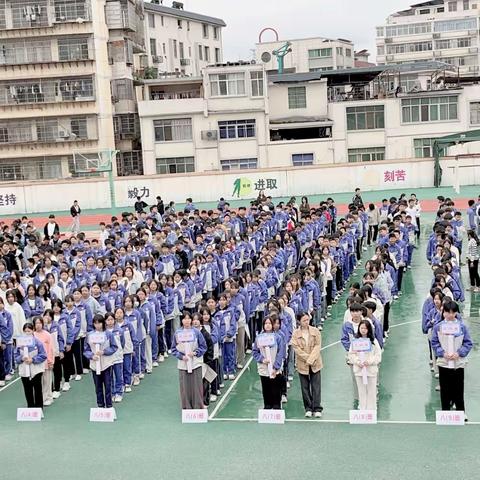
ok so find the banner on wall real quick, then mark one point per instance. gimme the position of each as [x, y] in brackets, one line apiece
[248, 187]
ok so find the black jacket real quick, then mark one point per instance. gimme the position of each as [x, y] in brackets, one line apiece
[208, 355]
[74, 212]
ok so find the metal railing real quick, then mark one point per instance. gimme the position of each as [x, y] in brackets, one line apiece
[47, 91]
[129, 163]
[22, 169]
[175, 95]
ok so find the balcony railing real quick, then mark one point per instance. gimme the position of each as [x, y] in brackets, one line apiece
[21, 14]
[129, 163]
[47, 91]
[175, 95]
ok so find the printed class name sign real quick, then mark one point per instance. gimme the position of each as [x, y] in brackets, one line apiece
[195, 415]
[29, 414]
[450, 328]
[361, 345]
[98, 338]
[449, 418]
[266, 340]
[103, 415]
[363, 417]
[185, 336]
[271, 416]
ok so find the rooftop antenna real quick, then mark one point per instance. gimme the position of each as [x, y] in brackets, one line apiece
[281, 53]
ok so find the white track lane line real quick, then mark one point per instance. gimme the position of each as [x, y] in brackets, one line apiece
[9, 384]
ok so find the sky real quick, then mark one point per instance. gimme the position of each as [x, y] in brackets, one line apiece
[350, 19]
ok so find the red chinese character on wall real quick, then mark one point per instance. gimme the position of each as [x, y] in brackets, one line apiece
[389, 176]
[400, 175]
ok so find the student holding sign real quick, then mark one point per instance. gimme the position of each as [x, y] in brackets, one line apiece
[365, 355]
[451, 344]
[307, 343]
[188, 346]
[99, 349]
[31, 357]
[269, 353]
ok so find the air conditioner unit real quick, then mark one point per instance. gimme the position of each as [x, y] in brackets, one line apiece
[157, 59]
[473, 50]
[436, 35]
[63, 134]
[209, 135]
[184, 61]
[389, 40]
[390, 58]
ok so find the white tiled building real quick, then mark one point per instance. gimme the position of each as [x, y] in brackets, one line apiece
[308, 54]
[444, 30]
[241, 119]
[181, 42]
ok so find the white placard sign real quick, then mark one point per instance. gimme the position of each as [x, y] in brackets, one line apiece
[199, 415]
[25, 341]
[98, 338]
[103, 415]
[266, 340]
[363, 417]
[29, 414]
[450, 417]
[185, 336]
[360, 346]
[450, 329]
[271, 416]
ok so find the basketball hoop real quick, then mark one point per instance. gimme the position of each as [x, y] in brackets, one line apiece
[94, 162]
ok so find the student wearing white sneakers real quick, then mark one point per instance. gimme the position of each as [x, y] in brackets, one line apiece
[307, 343]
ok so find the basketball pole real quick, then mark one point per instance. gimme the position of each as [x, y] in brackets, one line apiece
[111, 184]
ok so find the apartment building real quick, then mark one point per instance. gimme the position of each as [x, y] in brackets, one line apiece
[180, 42]
[307, 55]
[66, 74]
[242, 119]
[444, 30]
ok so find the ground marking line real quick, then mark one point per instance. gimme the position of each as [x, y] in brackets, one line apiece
[309, 420]
[9, 384]
[230, 388]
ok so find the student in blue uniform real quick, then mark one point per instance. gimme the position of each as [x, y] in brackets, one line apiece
[227, 321]
[451, 356]
[269, 353]
[31, 368]
[99, 349]
[188, 346]
[130, 346]
[6, 342]
[117, 367]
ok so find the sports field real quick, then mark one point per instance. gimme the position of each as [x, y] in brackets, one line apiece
[149, 441]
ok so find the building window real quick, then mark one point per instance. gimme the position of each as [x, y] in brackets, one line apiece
[227, 84]
[129, 163]
[408, 29]
[188, 26]
[440, 9]
[179, 23]
[297, 97]
[409, 47]
[452, 6]
[466, 4]
[200, 52]
[175, 51]
[366, 117]
[237, 129]
[475, 113]
[453, 43]
[369, 154]
[453, 25]
[173, 130]
[78, 127]
[433, 109]
[153, 47]
[348, 52]
[151, 20]
[257, 84]
[239, 164]
[218, 57]
[380, 50]
[72, 49]
[320, 53]
[122, 89]
[339, 50]
[215, 33]
[302, 159]
[175, 165]
[424, 11]
[182, 50]
[205, 30]
[380, 31]
[162, 23]
[207, 54]
[424, 147]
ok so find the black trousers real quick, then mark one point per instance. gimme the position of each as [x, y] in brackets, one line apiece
[78, 356]
[372, 234]
[68, 365]
[311, 391]
[417, 233]
[33, 391]
[57, 373]
[2, 365]
[400, 278]
[451, 388]
[473, 272]
[329, 289]
[386, 315]
[272, 392]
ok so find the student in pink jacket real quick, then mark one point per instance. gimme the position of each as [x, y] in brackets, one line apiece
[41, 334]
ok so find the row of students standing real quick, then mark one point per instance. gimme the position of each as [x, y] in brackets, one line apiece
[449, 340]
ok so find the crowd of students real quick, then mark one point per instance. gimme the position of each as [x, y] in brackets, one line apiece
[207, 287]
[449, 341]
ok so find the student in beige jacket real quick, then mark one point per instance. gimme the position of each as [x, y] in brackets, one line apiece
[307, 343]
